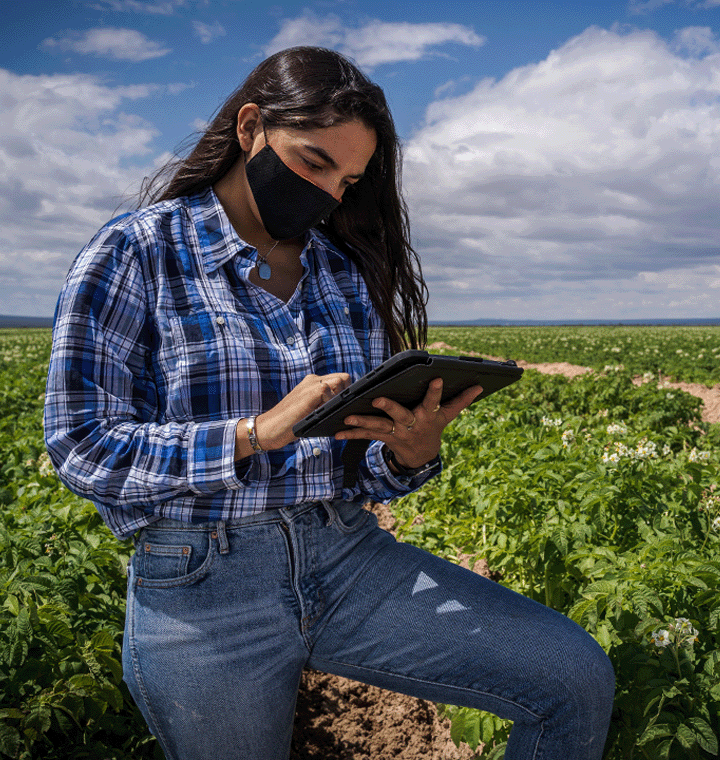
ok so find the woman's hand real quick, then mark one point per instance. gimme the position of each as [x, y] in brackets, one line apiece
[274, 427]
[413, 436]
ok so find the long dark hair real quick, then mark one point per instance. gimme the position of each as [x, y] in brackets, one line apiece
[310, 88]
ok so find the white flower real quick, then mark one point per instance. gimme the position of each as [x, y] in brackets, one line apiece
[646, 450]
[660, 638]
[699, 456]
[567, 438]
[716, 523]
[669, 395]
[611, 458]
[684, 626]
[549, 422]
[45, 465]
[666, 450]
[686, 633]
[617, 428]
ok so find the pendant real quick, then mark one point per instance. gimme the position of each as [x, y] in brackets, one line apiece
[264, 271]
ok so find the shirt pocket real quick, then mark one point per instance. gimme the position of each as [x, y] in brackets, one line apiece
[211, 368]
[338, 339]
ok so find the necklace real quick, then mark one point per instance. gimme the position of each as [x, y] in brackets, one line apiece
[264, 269]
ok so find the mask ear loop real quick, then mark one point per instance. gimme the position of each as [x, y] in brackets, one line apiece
[264, 269]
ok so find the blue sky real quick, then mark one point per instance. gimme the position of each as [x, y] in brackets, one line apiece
[562, 157]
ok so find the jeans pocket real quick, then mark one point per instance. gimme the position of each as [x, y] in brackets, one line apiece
[167, 561]
[349, 516]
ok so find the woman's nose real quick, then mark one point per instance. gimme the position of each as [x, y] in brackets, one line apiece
[334, 186]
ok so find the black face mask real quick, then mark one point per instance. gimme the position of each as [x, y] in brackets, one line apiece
[288, 203]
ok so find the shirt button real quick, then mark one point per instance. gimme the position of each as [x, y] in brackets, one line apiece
[346, 310]
[291, 341]
[317, 452]
[220, 320]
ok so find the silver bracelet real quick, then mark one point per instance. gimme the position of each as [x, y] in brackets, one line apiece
[252, 435]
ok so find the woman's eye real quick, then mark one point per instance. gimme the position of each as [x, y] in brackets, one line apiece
[312, 165]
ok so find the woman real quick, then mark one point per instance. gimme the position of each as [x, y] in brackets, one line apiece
[270, 270]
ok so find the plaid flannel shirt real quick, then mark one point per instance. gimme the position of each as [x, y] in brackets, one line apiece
[161, 344]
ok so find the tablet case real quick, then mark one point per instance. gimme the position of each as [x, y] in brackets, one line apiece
[405, 378]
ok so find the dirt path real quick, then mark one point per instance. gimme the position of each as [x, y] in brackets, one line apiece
[710, 396]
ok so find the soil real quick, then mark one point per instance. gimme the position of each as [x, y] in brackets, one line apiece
[338, 719]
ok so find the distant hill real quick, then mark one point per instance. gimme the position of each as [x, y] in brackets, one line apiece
[6, 321]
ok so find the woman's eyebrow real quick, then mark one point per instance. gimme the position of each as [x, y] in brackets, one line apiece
[325, 156]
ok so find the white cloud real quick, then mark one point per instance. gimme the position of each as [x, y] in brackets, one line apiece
[166, 8]
[208, 32]
[645, 6]
[571, 176]
[109, 42]
[68, 156]
[374, 42]
[638, 7]
[696, 41]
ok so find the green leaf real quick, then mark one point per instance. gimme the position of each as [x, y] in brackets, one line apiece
[472, 729]
[497, 752]
[488, 728]
[39, 718]
[704, 735]
[9, 740]
[12, 603]
[457, 727]
[686, 736]
[584, 611]
[656, 731]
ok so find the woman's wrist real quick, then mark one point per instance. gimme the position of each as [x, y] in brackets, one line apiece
[396, 467]
[247, 439]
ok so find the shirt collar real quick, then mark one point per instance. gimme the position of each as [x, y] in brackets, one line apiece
[219, 241]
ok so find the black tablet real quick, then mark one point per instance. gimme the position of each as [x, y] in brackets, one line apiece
[405, 378]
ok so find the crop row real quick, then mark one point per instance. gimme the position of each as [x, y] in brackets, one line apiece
[690, 354]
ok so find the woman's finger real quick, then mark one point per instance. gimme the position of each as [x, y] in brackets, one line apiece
[431, 402]
[452, 408]
[381, 425]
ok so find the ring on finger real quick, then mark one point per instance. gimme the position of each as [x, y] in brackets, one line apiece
[392, 430]
[436, 409]
[410, 426]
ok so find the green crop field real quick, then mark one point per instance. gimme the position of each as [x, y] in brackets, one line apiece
[691, 354]
[593, 495]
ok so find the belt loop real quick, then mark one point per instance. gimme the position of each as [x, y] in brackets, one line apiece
[221, 536]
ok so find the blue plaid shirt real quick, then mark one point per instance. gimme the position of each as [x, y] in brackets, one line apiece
[161, 344]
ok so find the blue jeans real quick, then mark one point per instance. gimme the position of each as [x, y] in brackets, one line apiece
[223, 617]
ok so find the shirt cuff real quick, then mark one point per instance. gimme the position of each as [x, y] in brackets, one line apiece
[211, 457]
[401, 484]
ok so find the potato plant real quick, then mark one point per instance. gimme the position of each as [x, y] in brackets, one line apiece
[687, 353]
[594, 496]
[600, 499]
